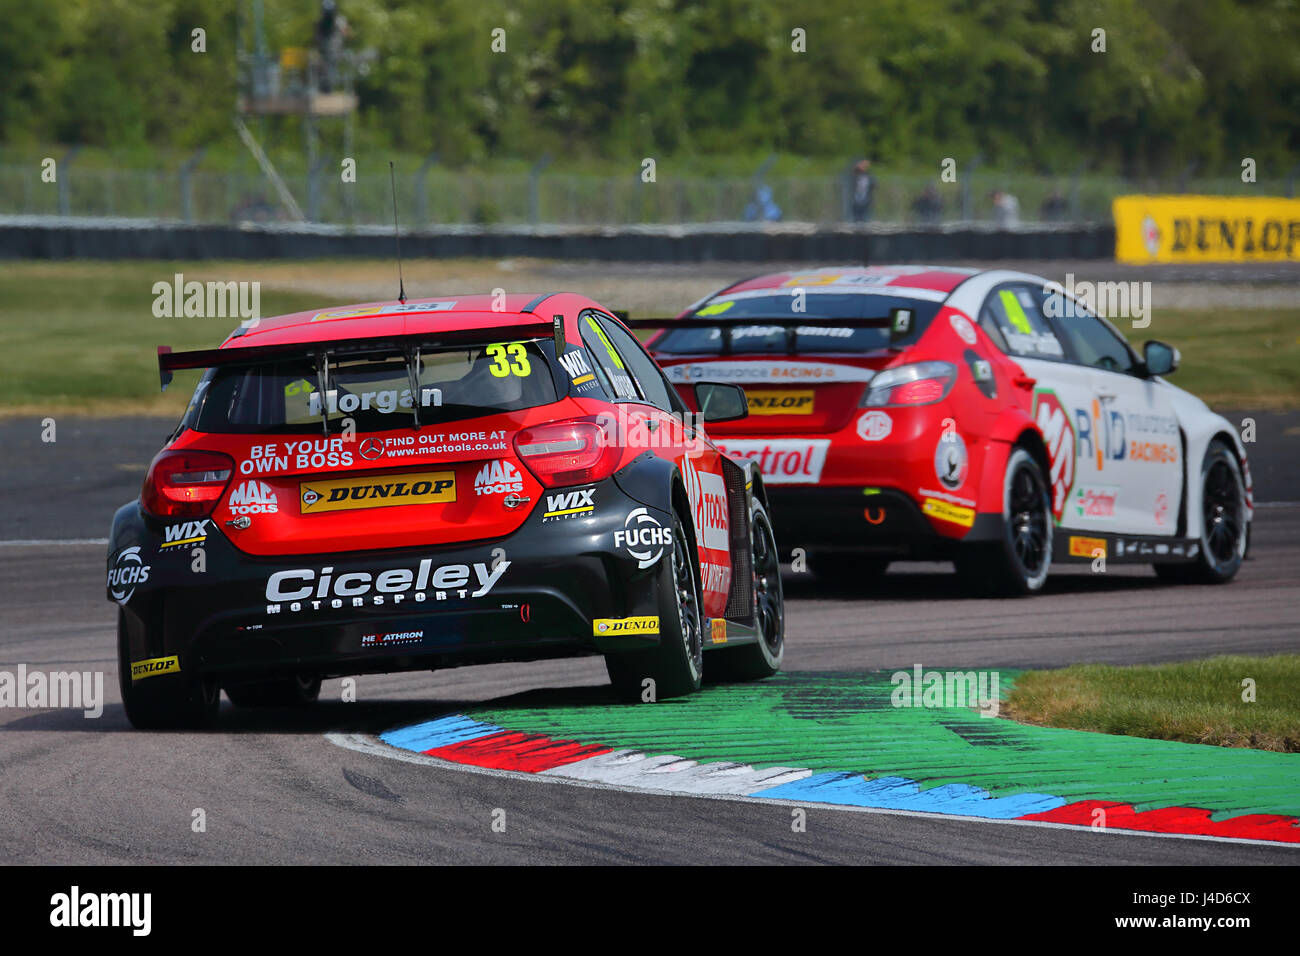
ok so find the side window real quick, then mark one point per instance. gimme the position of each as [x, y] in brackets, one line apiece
[1012, 316]
[1094, 342]
[654, 386]
[610, 367]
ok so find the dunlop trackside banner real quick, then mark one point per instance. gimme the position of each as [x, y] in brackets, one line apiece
[1206, 229]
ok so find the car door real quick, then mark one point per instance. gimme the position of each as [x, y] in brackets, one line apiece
[1129, 429]
[652, 411]
[1012, 316]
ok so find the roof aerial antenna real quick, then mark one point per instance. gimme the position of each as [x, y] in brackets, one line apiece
[397, 236]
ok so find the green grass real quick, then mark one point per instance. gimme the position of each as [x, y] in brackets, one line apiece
[1238, 358]
[81, 336]
[1197, 702]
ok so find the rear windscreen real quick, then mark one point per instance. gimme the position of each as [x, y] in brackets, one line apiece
[374, 391]
[819, 335]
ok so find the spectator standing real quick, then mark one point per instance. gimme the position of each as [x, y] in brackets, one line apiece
[1054, 207]
[864, 190]
[927, 207]
[1006, 209]
[332, 31]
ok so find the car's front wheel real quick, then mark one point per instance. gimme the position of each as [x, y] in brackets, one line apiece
[1018, 562]
[1224, 528]
[673, 667]
[167, 702]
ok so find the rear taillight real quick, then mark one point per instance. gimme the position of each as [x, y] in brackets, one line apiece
[919, 384]
[574, 452]
[186, 484]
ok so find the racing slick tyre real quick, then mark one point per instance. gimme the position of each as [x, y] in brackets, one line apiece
[171, 702]
[762, 658]
[1224, 529]
[676, 663]
[842, 570]
[293, 691]
[1018, 562]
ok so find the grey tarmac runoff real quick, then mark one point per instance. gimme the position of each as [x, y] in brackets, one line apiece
[275, 789]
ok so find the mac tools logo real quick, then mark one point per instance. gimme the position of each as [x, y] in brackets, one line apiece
[253, 498]
[643, 537]
[498, 478]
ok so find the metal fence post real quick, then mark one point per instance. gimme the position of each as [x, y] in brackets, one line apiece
[422, 188]
[65, 198]
[533, 175]
[187, 183]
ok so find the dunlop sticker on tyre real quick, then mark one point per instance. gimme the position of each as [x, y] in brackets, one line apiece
[154, 667]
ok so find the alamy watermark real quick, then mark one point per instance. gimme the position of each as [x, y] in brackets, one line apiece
[1111, 300]
[37, 690]
[980, 690]
[207, 300]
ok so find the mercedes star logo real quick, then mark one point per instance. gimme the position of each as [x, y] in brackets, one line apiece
[371, 449]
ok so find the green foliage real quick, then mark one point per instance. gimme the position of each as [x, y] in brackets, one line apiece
[1182, 84]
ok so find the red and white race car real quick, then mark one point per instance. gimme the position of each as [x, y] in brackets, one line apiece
[982, 417]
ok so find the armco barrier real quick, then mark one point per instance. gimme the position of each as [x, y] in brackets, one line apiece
[65, 238]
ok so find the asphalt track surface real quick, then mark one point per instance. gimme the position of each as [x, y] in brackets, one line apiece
[275, 790]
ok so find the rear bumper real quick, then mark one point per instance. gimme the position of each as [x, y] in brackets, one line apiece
[888, 522]
[532, 595]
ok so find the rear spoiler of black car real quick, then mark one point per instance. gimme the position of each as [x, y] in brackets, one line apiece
[899, 323]
[169, 361]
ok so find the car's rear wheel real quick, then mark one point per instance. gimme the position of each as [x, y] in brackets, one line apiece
[1018, 562]
[1224, 528]
[166, 702]
[296, 691]
[675, 665]
[762, 658]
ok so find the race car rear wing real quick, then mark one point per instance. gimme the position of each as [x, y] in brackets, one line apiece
[169, 361]
[899, 323]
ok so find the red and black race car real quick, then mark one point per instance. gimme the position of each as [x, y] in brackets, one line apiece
[416, 485]
[983, 417]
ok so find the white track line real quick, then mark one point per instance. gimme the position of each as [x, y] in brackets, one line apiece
[49, 542]
[365, 744]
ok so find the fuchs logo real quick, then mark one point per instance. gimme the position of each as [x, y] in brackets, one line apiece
[570, 504]
[253, 498]
[1058, 436]
[188, 533]
[498, 478]
[643, 537]
[128, 571]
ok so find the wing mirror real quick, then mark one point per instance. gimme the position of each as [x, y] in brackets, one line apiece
[719, 402]
[1160, 358]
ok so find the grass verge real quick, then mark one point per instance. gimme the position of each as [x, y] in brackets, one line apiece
[80, 337]
[1198, 702]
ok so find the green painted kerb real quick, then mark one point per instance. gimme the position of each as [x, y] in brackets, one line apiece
[846, 722]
